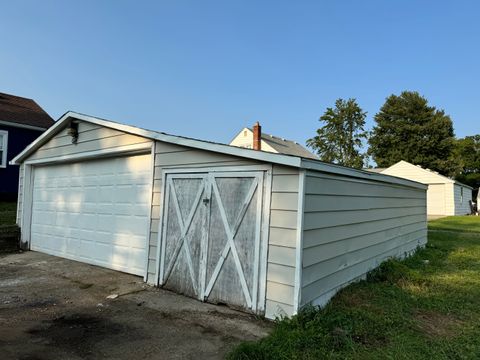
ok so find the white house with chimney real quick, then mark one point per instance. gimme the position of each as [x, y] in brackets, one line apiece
[254, 139]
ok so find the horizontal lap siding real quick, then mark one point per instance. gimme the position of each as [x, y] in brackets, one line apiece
[462, 206]
[282, 243]
[90, 138]
[351, 226]
[175, 156]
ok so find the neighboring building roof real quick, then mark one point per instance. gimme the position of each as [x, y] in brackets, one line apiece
[441, 178]
[279, 145]
[269, 157]
[288, 147]
[23, 111]
[374, 170]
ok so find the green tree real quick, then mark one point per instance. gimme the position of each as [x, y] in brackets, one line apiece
[407, 128]
[468, 153]
[339, 140]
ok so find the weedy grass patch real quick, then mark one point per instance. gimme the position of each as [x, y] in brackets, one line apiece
[423, 307]
[8, 211]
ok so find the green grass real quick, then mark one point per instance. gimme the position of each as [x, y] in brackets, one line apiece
[411, 309]
[8, 211]
[456, 223]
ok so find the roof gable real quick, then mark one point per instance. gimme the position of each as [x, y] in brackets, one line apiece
[413, 172]
[273, 158]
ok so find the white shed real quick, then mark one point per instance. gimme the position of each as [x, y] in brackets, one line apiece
[444, 195]
[264, 232]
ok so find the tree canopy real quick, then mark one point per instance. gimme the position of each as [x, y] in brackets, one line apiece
[468, 153]
[407, 128]
[339, 140]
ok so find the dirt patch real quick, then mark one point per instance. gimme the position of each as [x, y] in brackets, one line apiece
[78, 333]
[53, 308]
[434, 324]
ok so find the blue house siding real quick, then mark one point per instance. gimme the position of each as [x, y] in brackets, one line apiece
[18, 139]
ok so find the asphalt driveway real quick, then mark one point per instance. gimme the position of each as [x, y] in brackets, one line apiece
[53, 308]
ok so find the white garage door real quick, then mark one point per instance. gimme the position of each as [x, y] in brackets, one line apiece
[95, 212]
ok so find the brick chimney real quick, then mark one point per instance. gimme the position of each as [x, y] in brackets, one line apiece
[257, 136]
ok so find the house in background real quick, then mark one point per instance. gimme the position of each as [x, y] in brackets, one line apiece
[255, 139]
[21, 122]
[444, 195]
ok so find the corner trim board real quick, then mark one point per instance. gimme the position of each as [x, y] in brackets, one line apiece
[299, 242]
[149, 230]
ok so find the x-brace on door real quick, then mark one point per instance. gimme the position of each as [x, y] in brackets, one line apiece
[211, 236]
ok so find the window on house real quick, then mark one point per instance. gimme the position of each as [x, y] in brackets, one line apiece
[3, 148]
[461, 194]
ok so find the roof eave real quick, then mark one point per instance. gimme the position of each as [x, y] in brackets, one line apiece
[280, 159]
[462, 184]
[198, 144]
[317, 165]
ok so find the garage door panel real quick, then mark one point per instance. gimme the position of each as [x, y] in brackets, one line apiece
[96, 211]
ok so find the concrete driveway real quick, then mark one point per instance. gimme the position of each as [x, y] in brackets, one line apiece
[53, 308]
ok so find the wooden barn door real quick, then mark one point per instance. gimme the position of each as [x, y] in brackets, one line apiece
[183, 229]
[212, 236]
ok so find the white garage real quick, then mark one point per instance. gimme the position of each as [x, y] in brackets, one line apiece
[267, 233]
[94, 211]
[445, 196]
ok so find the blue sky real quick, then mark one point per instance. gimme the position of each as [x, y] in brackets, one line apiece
[206, 69]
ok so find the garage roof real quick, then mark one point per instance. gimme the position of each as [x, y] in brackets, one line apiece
[281, 159]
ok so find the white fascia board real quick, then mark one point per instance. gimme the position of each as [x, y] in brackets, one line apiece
[264, 156]
[42, 139]
[198, 144]
[341, 170]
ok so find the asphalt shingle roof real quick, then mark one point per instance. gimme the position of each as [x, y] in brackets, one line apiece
[287, 147]
[20, 110]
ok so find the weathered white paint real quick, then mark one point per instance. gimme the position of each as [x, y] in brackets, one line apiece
[216, 272]
[284, 182]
